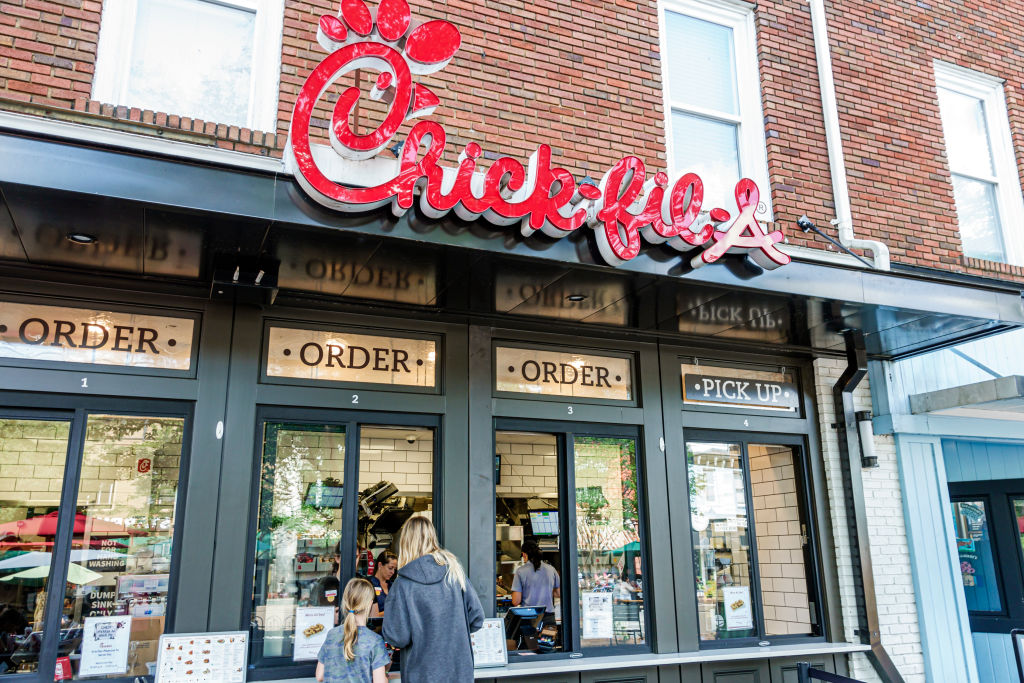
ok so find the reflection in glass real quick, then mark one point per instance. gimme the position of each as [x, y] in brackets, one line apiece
[1018, 514]
[977, 559]
[721, 540]
[611, 571]
[302, 474]
[978, 215]
[210, 75]
[396, 466]
[710, 149]
[32, 456]
[123, 533]
[780, 531]
[528, 508]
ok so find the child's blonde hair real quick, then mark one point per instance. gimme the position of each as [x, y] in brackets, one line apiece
[419, 538]
[356, 601]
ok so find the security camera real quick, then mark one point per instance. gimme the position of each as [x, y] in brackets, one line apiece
[411, 438]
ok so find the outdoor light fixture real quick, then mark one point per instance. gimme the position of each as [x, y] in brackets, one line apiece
[577, 297]
[80, 238]
[805, 224]
[866, 431]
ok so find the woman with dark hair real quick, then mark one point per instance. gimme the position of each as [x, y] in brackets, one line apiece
[536, 583]
[383, 576]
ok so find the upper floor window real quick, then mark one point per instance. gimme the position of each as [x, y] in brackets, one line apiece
[713, 97]
[215, 61]
[986, 185]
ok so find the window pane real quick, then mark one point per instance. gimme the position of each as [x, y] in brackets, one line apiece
[396, 466]
[528, 508]
[208, 75]
[977, 560]
[979, 218]
[124, 527]
[701, 63]
[608, 542]
[32, 455]
[1018, 513]
[721, 540]
[781, 533]
[302, 475]
[966, 133]
[709, 149]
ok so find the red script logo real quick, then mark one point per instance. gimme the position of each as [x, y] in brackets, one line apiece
[625, 209]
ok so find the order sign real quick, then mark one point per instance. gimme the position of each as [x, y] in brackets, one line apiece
[552, 373]
[79, 335]
[349, 357]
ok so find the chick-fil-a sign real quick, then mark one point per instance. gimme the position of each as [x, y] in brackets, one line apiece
[625, 209]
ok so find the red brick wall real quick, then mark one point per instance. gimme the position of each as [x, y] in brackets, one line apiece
[585, 78]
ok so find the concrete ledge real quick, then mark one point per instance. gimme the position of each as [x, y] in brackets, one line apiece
[549, 666]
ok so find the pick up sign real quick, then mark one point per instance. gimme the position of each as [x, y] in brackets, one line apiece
[750, 393]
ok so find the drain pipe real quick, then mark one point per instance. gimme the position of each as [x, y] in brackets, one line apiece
[856, 512]
[834, 141]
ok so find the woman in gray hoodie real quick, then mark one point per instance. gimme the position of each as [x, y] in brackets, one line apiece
[432, 609]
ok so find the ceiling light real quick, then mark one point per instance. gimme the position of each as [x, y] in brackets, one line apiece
[577, 297]
[81, 238]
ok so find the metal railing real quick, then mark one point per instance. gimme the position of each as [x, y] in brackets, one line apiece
[806, 674]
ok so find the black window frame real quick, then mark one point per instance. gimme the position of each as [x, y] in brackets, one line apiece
[77, 410]
[565, 434]
[812, 553]
[262, 668]
[1008, 555]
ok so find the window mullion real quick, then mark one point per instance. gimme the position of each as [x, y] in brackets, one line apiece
[724, 117]
[571, 631]
[991, 180]
[755, 565]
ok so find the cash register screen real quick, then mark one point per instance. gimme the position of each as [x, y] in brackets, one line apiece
[544, 523]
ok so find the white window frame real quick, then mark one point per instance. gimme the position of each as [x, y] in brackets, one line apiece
[752, 148]
[1009, 200]
[117, 35]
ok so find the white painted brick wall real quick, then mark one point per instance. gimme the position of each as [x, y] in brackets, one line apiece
[890, 555]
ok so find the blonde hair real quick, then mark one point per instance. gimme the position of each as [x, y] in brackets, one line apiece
[356, 601]
[419, 538]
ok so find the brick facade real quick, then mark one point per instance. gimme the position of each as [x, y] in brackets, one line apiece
[586, 78]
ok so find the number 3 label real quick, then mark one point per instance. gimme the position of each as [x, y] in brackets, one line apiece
[570, 410]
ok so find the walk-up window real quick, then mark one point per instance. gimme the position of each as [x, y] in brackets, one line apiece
[569, 563]
[752, 545]
[88, 508]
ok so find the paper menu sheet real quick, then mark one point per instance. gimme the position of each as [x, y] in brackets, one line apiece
[598, 617]
[738, 614]
[203, 658]
[489, 647]
[105, 642]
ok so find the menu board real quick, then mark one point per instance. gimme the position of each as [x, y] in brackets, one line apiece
[489, 647]
[311, 627]
[105, 643]
[203, 657]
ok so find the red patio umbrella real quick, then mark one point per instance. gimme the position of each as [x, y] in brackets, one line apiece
[46, 525]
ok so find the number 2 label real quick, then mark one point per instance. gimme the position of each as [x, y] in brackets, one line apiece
[355, 398]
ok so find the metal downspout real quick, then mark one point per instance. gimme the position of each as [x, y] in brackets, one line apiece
[856, 511]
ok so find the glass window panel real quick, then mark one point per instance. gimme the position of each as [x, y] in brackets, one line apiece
[1018, 513]
[297, 564]
[721, 540]
[978, 216]
[977, 557]
[396, 466]
[529, 508]
[609, 554]
[123, 534]
[701, 63]
[966, 133]
[32, 456]
[781, 533]
[709, 149]
[210, 74]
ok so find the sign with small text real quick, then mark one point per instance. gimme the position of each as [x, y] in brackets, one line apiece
[555, 373]
[348, 357]
[77, 335]
[736, 391]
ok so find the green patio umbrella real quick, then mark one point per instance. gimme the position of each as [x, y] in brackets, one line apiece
[76, 574]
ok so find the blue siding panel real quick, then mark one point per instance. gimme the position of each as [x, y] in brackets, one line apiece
[982, 461]
[945, 628]
[996, 663]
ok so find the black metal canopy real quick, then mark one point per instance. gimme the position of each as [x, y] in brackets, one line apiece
[167, 220]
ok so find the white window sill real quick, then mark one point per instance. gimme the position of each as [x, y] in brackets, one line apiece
[598, 663]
